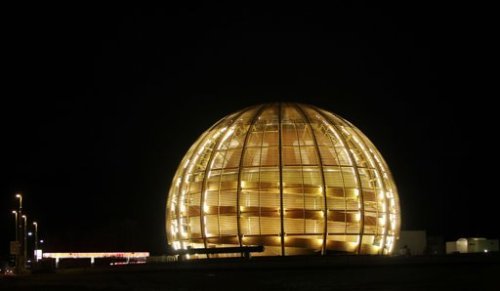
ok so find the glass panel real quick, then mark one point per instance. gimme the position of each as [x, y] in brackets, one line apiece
[293, 188]
[250, 178]
[212, 198]
[291, 155]
[290, 114]
[237, 138]
[211, 225]
[249, 198]
[230, 175]
[270, 156]
[270, 225]
[313, 202]
[321, 137]
[343, 156]
[271, 135]
[333, 177]
[270, 198]
[295, 201]
[252, 157]
[312, 177]
[250, 225]
[314, 226]
[255, 139]
[294, 225]
[305, 136]
[309, 155]
[228, 225]
[288, 135]
[228, 198]
[218, 160]
[349, 178]
[232, 158]
[328, 155]
[194, 227]
[269, 177]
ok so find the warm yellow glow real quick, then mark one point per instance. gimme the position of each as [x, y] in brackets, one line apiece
[96, 255]
[291, 177]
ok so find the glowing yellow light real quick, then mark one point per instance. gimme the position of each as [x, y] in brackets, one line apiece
[237, 165]
[97, 255]
[226, 136]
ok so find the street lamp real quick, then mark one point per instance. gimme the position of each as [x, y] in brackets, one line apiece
[15, 217]
[35, 224]
[20, 197]
[25, 236]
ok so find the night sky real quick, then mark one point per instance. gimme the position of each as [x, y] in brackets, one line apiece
[99, 105]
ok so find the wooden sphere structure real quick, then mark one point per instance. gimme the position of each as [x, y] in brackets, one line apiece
[291, 177]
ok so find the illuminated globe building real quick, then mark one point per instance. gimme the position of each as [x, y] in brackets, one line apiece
[291, 177]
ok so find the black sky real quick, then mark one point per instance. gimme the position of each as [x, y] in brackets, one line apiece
[99, 104]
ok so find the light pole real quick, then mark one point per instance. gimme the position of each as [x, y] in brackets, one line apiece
[20, 197]
[35, 224]
[24, 236]
[20, 236]
[16, 223]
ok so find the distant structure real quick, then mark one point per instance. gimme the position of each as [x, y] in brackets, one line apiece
[472, 245]
[123, 257]
[293, 178]
[414, 240]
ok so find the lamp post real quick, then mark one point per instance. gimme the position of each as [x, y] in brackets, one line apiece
[35, 224]
[24, 240]
[16, 223]
[20, 197]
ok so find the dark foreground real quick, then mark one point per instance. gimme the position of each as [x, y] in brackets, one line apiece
[463, 272]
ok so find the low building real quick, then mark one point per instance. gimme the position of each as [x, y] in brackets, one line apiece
[472, 245]
[116, 258]
[412, 241]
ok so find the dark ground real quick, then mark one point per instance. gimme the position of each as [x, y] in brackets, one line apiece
[469, 272]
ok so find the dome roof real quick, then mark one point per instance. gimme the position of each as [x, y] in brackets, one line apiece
[292, 177]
